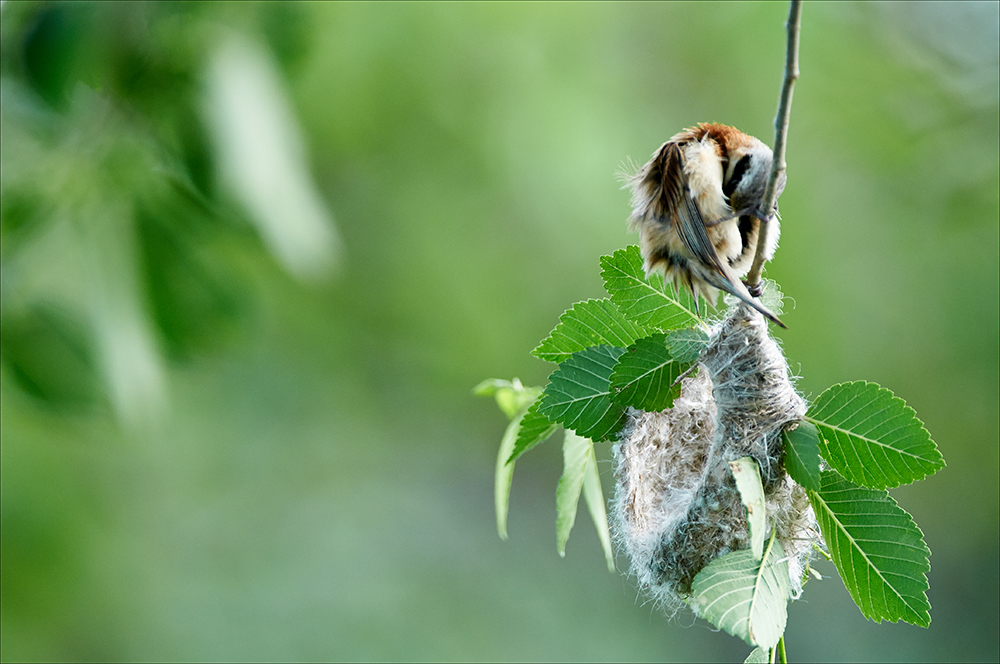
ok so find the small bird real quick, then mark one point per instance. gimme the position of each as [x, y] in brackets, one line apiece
[696, 205]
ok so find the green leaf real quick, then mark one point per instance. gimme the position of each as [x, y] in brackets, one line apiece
[580, 474]
[512, 397]
[577, 452]
[686, 345]
[488, 387]
[504, 475]
[802, 460]
[535, 429]
[594, 495]
[746, 472]
[645, 376]
[772, 298]
[872, 437]
[587, 324]
[758, 656]
[578, 395]
[514, 400]
[744, 596]
[649, 303]
[877, 548]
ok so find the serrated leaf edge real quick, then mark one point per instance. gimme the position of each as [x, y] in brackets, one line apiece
[565, 317]
[936, 464]
[856, 547]
[643, 281]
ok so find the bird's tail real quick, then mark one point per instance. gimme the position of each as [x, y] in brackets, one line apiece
[734, 286]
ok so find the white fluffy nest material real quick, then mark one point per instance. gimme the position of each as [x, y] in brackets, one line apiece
[676, 505]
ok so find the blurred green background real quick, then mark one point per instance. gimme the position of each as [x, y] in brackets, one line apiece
[255, 257]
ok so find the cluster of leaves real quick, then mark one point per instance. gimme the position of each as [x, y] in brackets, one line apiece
[625, 350]
[856, 440]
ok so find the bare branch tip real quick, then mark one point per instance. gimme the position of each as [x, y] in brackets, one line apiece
[781, 133]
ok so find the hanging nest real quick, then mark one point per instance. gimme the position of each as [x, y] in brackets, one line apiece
[676, 506]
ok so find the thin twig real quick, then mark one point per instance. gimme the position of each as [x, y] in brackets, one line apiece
[780, 137]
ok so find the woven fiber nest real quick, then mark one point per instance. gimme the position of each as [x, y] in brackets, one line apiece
[676, 506]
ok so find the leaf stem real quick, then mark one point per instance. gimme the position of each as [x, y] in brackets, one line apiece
[780, 137]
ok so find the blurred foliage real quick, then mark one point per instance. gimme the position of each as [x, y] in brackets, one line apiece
[207, 457]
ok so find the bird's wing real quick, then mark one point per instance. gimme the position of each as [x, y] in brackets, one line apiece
[691, 229]
[693, 233]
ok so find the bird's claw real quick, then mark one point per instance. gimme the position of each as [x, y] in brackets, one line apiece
[756, 290]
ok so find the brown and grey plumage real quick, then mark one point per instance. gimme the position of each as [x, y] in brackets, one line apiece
[696, 205]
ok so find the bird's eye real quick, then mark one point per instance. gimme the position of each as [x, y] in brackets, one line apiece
[738, 172]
